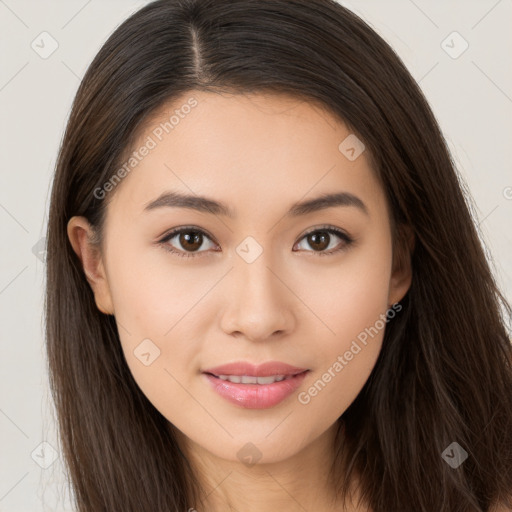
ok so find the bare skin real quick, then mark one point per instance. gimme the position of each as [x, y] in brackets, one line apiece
[258, 154]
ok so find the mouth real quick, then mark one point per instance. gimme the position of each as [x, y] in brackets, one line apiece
[255, 387]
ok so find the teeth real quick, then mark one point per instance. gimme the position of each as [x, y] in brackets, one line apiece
[271, 379]
[249, 379]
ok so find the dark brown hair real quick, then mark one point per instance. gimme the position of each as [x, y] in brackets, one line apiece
[444, 372]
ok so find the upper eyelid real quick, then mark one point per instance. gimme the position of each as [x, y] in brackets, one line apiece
[173, 232]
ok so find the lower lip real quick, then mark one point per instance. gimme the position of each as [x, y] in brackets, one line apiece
[256, 396]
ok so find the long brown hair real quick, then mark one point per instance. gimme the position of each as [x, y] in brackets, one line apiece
[444, 372]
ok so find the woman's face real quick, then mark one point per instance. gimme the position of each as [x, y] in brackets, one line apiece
[258, 279]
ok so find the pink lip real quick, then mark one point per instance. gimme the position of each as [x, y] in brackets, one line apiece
[256, 396]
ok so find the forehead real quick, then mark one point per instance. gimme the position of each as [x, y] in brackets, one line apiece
[249, 150]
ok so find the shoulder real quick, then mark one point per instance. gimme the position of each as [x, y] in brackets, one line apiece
[500, 508]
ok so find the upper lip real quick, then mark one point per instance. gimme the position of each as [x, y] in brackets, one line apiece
[262, 370]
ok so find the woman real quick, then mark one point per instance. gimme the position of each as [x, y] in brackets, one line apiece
[265, 287]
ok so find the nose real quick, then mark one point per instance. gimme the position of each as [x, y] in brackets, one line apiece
[257, 303]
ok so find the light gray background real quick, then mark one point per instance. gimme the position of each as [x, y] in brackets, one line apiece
[471, 95]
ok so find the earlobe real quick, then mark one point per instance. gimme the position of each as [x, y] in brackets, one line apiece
[81, 235]
[401, 277]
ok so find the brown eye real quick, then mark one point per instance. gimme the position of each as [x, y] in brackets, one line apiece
[187, 241]
[321, 239]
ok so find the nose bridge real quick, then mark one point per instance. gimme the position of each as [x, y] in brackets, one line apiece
[258, 305]
[255, 280]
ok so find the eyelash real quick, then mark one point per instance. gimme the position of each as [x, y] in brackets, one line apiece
[323, 229]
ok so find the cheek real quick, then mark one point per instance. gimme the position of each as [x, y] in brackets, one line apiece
[156, 310]
[151, 295]
[350, 295]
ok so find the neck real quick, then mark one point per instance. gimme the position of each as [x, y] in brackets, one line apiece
[298, 483]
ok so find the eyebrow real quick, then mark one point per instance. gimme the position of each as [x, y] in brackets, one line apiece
[205, 204]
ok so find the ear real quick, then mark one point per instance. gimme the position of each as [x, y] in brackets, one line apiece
[82, 238]
[401, 276]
